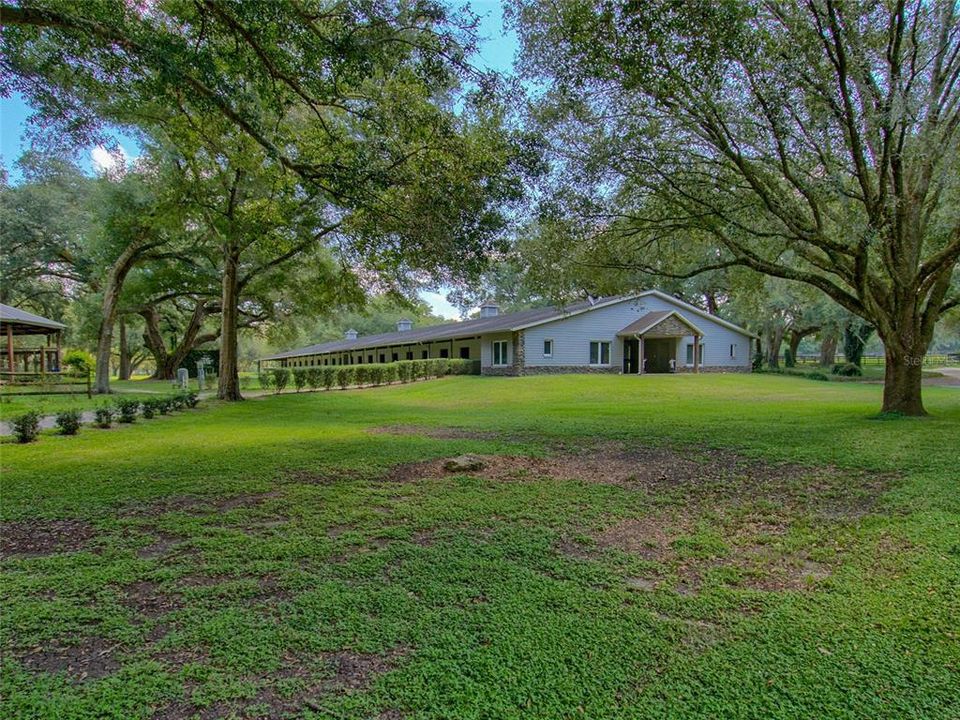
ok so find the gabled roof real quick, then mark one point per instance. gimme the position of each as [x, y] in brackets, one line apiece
[508, 322]
[26, 323]
[649, 321]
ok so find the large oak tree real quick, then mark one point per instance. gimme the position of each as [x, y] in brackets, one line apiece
[815, 141]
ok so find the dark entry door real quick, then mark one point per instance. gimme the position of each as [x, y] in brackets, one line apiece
[659, 353]
[631, 356]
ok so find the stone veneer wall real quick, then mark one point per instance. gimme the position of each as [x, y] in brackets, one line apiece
[714, 369]
[567, 369]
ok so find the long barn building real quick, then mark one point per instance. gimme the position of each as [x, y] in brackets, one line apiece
[646, 332]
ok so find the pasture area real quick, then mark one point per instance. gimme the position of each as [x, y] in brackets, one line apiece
[681, 546]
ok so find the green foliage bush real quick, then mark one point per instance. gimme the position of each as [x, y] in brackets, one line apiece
[189, 399]
[69, 421]
[361, 375]
[26, 427]
[103, 416]
[149, 408]
[329, 377]
[299, 378]
[266, 380]
[847, 370]
[78, 361]
[127, 409]
[757, 363]
[788, 359]
[389, 373]
[280, 377]
[314, 377]
[405, 371]
[344, 377]
[376, 374]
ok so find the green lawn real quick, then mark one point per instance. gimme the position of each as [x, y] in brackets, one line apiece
[635, 547]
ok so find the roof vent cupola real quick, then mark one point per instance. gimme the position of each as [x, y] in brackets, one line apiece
[350, 334]
[404, 325]
[489, 309]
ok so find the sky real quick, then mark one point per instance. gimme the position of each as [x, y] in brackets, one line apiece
[496, 53]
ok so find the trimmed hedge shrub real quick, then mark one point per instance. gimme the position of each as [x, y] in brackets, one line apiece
[127, 409]
[299, 378]
[266, 380]
[329, 377]
[281, 376]
[361, 375]
[103, 416]
[847, 370]
[26, 427]
[344, 377]
[69, 421]
[314, 377]
[149, 408]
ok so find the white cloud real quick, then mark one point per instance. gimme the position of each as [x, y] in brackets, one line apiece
[440, 305]
[106, 162]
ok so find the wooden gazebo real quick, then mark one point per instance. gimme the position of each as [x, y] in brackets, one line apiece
[15, 322]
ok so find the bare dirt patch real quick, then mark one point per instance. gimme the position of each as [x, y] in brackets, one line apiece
[696, 474]
[88, 659]
[148, 601]
[163, 544]
[437, 433]
[38, 538]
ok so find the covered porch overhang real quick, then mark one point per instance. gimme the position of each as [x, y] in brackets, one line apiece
[15, 322]
[649, 332]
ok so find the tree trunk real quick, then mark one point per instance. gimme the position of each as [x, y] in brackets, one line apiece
[855, 336]
[902, 381]
[124, 372]
[828, 348]
[111, 294]
[166, 362]
[774, 341]
[228, 387]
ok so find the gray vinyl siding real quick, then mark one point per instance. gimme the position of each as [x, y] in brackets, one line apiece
[486, 348]
[572, 336]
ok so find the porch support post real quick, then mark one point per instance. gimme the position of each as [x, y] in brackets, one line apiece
[696, 353]
[10, 365]
[59, 335]
[43, 354]
[640, 352]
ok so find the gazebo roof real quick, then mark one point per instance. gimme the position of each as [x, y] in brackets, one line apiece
[25, 323]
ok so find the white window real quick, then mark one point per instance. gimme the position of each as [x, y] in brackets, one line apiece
[599, 352]
[548, 348]
[499, 352]
[690, 353]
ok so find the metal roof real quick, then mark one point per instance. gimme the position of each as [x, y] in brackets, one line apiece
[508, 322]
[446, 331]
[25, 323]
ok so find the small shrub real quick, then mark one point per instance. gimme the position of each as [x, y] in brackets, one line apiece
[817, 375]
[266, 380]
[376, 374]
[26, 427]
[344, 377]
[69, 421]
[389, 373]
[299, 378]
[405, 371]
[788, 359]
[78, 361]
[314, 377]
[329, 377]
[281, 376]
[103, 416]
[189, 399]
[757, 362]
[148, 408]
[361, 374]
[441, 367]
[847, 370]
[127, 409]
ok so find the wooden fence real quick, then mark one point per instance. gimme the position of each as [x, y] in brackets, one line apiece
[45, 383]
[876, 360]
